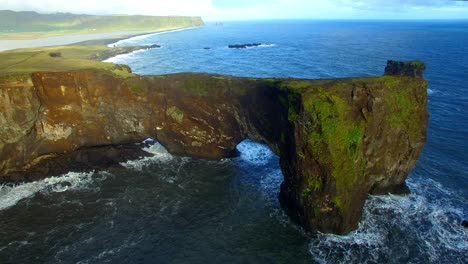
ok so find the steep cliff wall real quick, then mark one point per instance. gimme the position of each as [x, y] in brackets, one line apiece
[338, 140]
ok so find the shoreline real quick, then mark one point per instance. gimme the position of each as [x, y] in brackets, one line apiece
[145, 35]
[84, 39]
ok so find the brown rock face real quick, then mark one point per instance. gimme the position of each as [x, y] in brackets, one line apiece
[338, 140]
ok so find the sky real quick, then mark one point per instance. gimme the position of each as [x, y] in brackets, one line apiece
[221, 10]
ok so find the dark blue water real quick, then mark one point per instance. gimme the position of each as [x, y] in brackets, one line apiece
[168, 209]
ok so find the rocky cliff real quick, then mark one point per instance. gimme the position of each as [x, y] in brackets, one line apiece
[338, 140]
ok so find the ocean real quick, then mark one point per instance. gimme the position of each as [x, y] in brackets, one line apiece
[169, 209]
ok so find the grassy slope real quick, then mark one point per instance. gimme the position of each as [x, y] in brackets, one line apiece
[73, 57]
[23, 25]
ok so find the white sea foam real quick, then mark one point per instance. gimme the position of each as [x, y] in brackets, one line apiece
[393, 224]
[254, 153]
[267, 45]
[103, 256]
[159, 155]
[121, 57]
[137, 39]
[11, 195]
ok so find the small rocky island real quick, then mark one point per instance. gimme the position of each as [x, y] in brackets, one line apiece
[244, 46]
[338, 140]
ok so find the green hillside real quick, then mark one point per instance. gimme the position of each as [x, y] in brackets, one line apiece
[30, 24]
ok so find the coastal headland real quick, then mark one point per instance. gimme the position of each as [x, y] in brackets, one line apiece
[32, 30]
[338, 139]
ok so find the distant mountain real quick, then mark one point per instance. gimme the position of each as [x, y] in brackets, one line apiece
[29, 21]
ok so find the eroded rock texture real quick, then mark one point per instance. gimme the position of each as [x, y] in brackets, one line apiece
[338, 140]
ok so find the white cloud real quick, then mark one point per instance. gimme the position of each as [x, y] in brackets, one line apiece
[397, 5]
[143, 7]
[253, 9]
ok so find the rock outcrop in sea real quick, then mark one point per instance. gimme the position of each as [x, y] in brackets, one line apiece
[244, 46]
[338, 140]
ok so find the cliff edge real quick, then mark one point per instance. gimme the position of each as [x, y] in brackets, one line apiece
[338, 140]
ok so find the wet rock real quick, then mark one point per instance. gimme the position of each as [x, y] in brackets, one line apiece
[465, 224]
[154, 46]
[101, 56]
[244, 46]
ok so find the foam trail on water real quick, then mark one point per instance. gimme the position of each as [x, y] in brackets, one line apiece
[11, 195]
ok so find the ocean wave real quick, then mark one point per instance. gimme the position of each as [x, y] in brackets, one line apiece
[10, 195]
[122, 57]
[397, 229]
[267, 45]
[254, 153]
[102, 257]
[159, 155]
[250, 46]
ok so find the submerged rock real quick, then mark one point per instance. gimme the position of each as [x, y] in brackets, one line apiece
[338, 140]
[101, 56]
[154, 46]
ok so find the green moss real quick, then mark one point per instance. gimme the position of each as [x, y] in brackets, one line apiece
[301, 155]
[317, 212]
[283, 137]
[14, 78]
[272, 81]
[293, 105]
[239, 90]
[202, 85]
[297, 85]
[306, 192]
[403, 105]
[292, 114]
[135, 86]
[354, 138]
[175, 113]
[335, 139]
[283, 100]
[137, 90]
[413, 68]
[337, 201]
[313, 185]
[335, 133]
[316, 184]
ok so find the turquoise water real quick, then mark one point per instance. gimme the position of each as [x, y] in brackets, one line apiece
[167, 209]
